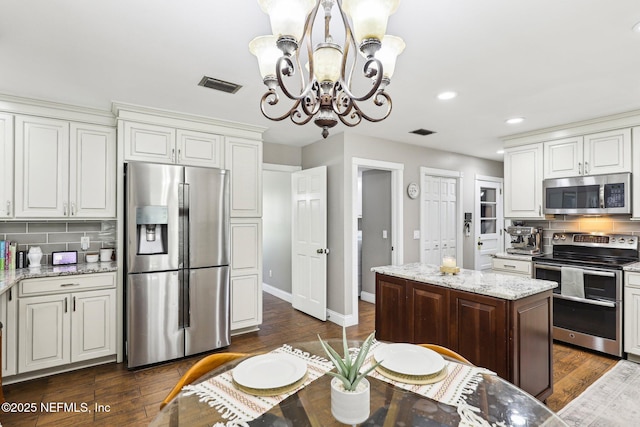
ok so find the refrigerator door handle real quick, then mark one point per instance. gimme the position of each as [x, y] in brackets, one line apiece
[186, 303]
[181, 299]
[184, 223]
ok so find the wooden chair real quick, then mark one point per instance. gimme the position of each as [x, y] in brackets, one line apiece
[200, 368]
[446, 352]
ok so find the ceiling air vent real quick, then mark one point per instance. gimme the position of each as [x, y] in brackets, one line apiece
[220, 85]
[423, 132]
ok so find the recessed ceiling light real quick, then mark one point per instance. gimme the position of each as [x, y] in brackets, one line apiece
[514, 120]
[636, 27]
[447, 95]
[500, 152]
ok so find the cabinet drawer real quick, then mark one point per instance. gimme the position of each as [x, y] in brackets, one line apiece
[69, 283]
[512, 266]
[632, 279]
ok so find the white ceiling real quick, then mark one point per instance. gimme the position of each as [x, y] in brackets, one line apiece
[551, 61]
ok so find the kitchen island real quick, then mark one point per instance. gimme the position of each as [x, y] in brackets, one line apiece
[500, 322]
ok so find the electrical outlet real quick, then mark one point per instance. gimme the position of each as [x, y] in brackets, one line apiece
[84, 242]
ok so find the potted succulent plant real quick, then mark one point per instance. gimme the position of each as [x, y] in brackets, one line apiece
[349, 388]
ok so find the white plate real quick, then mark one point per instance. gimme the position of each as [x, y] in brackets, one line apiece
[409, 359]
[270, 370]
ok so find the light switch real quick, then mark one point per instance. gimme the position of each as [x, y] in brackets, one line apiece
[384, 234]
[416, 234]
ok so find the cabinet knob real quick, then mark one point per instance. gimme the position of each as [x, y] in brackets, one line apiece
[73, 209]
[64, 209]
[579, 168]
[586, 168]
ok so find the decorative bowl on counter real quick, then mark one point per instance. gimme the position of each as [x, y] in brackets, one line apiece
[92, 257]
[449, 270]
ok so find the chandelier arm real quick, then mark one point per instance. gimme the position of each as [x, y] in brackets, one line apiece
[376, 84]
[283, 87]
[296, 113]
[360, 113]
[312, 100]
[273, 101]
[349, 42]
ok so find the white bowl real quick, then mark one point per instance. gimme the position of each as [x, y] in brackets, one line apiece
[91, 257]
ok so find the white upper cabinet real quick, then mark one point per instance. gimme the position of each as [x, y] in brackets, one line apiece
[243, 157]
[523, 182]
[6, 163]
[92, 176]
[563, 157]
[163, 144]
[41, 167]
[593, 154]
[63, 169]
[200, 149]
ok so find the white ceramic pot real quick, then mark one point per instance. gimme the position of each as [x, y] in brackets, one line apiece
[350, 407]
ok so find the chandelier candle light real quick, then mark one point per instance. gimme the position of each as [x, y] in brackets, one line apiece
[325, 89]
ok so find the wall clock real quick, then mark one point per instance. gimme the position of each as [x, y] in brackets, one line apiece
[413, 190]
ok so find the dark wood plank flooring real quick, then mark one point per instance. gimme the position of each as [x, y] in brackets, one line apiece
[134, 397]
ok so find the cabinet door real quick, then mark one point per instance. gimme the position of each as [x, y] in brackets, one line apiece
[92, 172]
[428, 310]
[149, 143]
[607, 152]
[479, 330]
[391, 322]
[93, 319]
[635, 175]
[246, 301]
[523, 182]
[243, 158]
[246, 272]
[43, 337]
[6, 163]
[200, 149]
[9, 319]
[563, 157]
[41, 167]
[632, 314]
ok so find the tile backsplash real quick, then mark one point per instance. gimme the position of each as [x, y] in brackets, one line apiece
[614, 224]
[54, 236]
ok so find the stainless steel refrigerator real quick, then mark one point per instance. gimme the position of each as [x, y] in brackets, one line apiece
[177, 261]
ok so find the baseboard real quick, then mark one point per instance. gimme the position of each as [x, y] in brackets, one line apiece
[368, 297]
[276, 292]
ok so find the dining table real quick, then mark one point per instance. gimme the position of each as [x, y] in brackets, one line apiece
[465, 395]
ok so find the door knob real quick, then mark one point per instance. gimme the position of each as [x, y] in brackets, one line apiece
[322, 251]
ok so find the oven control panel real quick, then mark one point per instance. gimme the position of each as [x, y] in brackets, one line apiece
[595, 239]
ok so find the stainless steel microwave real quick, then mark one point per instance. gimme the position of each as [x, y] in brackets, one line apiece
[595, 194]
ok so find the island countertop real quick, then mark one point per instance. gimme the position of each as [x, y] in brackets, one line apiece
[8, 278]
[496, 285]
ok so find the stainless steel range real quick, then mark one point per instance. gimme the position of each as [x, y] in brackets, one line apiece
[587, 305]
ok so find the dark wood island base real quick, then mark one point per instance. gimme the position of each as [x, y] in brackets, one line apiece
[510, 337]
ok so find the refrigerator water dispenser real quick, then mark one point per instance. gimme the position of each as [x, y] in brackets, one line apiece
[151, 222]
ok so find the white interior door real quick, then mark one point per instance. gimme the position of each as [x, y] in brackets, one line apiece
[309, 241]
[439, 218]
[488, 222]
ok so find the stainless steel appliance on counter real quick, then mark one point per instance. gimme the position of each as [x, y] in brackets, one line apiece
[524, 240]
[587, 305]
[593, 194]
[177, 273]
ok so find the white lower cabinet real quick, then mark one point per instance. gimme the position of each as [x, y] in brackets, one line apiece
[632, 313]
[9, 319]
[246, 272]
[58, 327]
[514, 267]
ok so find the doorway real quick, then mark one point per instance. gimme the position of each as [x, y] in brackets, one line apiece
[394, 234]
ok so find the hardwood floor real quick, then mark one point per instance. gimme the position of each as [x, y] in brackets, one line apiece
[133, 397]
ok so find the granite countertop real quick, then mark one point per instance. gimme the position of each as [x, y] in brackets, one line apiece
[8, 278]
[635, 267]
[484, 283]
[506, 255]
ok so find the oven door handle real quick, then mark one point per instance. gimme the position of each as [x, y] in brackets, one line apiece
[585, 300]
[586, 270]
